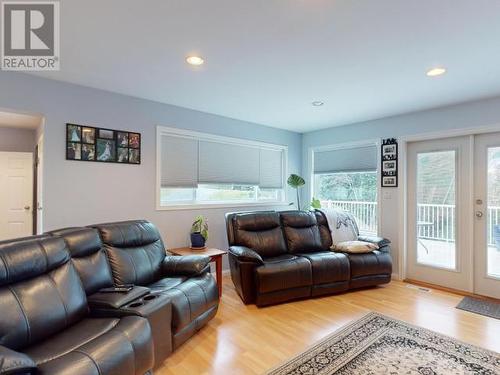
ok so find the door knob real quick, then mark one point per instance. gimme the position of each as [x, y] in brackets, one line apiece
[479, 214]
[27, 208]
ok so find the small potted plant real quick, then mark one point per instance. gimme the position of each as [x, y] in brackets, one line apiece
[199, 233]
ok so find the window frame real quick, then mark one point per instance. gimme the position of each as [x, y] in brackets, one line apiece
[190, 205]
[349, 145]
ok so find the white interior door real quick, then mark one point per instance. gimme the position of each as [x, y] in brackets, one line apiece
[16, 194]
[487, 215]
[439, 212]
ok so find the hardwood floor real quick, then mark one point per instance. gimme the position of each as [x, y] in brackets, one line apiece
[248, 340]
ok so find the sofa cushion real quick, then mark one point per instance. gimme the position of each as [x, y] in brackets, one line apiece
[97, 346]
[301, 231]
[328, 267]
[283, 272]
[88, 257]
[260, 232]
[135, 251]
[324, 230]
[40, 291]
[374, 263]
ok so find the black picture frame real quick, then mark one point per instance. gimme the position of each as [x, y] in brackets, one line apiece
[389, 163]
[102, 145]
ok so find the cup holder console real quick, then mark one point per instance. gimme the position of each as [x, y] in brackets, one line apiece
[136, 304]
[143, 301]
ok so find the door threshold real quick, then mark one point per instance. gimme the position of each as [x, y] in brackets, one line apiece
[449, 290]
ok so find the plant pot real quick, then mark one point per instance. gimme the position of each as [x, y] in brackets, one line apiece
[197, 240]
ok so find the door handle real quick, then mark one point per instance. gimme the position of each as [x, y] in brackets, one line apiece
[27, 208]
[479, 214]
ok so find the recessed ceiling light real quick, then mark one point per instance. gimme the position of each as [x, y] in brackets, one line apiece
[317, 103]
[195, 60]
[434, 72]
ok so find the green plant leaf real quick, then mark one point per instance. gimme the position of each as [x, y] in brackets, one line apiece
[295, 181]
[315, 203]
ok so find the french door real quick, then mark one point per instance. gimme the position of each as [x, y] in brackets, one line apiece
[487, 215]
[454, 213]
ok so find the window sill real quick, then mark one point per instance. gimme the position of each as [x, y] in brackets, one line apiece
[200, 206]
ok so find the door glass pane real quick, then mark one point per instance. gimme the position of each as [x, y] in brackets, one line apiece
[493, 212]
[436, 219]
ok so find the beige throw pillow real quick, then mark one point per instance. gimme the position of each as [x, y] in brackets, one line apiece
[355, 247]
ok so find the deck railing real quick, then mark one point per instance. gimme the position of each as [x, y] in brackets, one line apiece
[364, 212]
[434, 221]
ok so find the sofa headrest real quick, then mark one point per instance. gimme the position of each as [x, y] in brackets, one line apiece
[26, 258]
[256, 222]
[81, 241]
[131, 233]
[298, 219]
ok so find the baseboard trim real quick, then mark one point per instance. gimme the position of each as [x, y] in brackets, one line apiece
[395, 276]
[449, 290]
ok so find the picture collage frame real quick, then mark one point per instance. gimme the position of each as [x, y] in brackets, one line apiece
[93, 144]
[389, 160]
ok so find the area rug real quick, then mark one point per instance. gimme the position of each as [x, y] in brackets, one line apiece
[377, 344]
[480, 306]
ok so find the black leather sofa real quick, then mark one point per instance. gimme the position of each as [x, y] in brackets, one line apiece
[45, 324]
[55, 320]
[279, 256]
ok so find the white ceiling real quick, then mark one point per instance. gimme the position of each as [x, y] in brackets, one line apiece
[17, 120]
[267, 60]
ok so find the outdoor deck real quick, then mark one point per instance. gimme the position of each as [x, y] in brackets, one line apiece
[442, 254]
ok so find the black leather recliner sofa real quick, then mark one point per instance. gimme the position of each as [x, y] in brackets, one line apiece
[279, 256]
[45, 325]
[55, 320]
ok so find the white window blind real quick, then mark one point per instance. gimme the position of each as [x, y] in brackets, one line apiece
[228, 163]
[358, 159]
[271, 169]
[179, 162]
[187, 161]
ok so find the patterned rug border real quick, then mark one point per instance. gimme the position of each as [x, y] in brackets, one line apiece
[368, 316]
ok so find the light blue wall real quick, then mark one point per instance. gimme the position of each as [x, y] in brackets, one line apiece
[473, 115]
[82, 193]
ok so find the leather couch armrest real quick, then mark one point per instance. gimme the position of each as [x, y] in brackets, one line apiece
[116, 300]
[185, 265]
[245, 254]
[12, 362]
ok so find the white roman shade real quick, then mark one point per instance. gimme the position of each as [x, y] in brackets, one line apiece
[179, 162]
[224, 163]
[271, 169]
[358, 159]
[186, 161]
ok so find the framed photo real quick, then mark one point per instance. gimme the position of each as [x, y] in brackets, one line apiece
[389, 161]
[74, 133]
[89, 143]
[134, 156]
[88, 135]
[106, 134]
[74, 151]
[122, 155]
[106, 150]
[88, 152]
[389, 181]
[134, 140]
[122, 139]
[389, 165]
